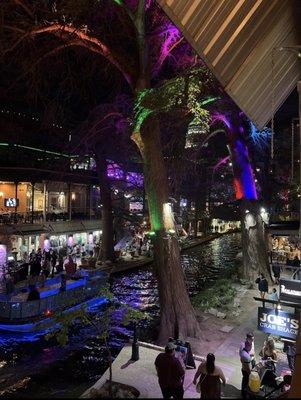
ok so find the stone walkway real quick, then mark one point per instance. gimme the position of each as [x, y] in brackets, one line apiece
[224, 345]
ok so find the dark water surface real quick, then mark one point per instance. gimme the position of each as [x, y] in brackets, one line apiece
[38, 368]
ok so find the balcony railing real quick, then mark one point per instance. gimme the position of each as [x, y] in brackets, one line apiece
[37, 217]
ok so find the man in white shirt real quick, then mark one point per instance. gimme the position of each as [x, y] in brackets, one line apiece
[246, 366]
[250, 340]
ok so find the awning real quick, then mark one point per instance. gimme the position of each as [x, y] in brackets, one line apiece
[236, 39]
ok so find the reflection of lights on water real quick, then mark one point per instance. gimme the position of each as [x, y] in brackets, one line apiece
[2, 364]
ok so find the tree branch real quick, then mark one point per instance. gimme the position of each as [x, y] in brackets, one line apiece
[25, 7]
[46, 55]
[90, 42]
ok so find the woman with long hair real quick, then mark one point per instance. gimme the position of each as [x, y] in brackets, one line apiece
[210, 380]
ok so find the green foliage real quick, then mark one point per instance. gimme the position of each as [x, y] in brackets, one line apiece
[133, 315]
[66, 320]
[217, 296]
[184, 92]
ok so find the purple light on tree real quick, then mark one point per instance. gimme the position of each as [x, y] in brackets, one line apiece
[219, 117]
[244, 182]
[220, 163]
[171, 35]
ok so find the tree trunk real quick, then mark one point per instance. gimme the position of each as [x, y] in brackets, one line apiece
[177, 318]
[255, 255]
[107, 242]
[254, 246]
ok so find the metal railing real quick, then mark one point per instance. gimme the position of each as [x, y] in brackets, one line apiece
[292, 269]
[20, 310]
[9, 218]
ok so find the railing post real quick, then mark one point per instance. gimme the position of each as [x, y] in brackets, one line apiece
[32, 202]
[135, 345]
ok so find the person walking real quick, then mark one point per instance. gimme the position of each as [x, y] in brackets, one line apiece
[211, 377]
[263, 286]
[170, 373]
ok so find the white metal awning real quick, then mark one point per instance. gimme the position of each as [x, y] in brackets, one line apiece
[236, 39]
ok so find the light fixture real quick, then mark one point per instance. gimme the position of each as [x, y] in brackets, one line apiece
[73, 196]
[1, 194]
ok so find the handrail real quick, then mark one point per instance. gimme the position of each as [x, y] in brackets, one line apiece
[12, 310]
[281, 302]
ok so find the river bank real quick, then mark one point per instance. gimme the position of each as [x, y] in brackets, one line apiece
[54, 371]
[128, 263]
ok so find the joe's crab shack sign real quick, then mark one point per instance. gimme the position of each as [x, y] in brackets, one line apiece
[278, 323]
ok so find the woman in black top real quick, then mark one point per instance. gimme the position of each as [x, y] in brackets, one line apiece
[263, 286]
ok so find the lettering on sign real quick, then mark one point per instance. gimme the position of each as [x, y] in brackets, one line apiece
[290, 290]
[279, 323]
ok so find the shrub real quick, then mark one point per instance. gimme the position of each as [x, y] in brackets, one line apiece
[217, 296]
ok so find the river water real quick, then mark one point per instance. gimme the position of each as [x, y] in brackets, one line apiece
[40, 368]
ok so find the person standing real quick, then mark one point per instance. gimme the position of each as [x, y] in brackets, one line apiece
[263, 286]
[53, 261]
[274, 296]
[246, 360]
[290, 350]
[170, 373]
[250, 340]
[276, 271]
[211, 377]
[268, 350]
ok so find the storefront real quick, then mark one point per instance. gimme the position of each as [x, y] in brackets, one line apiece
[281, 319]
[20, 240]
[284, 243]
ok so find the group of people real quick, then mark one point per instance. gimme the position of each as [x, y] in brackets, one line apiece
[170, 367]
[284, 252]
[41, 266]
[263, 288]
[139, 244]
[209, 378]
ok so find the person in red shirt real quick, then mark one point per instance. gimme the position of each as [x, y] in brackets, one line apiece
[170, 373]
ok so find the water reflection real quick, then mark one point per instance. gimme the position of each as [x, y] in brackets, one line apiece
[66, 372]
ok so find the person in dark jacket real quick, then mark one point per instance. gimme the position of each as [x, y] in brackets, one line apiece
[263, 286]
[276, 271]
[170, 373]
